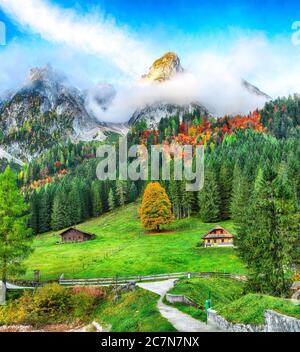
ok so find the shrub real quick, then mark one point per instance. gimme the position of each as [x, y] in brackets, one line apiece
[84, 299]
[296, 276]
[12, 314]
[92, 291]
[51, 304]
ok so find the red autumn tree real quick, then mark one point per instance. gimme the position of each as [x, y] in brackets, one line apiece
[156, 207]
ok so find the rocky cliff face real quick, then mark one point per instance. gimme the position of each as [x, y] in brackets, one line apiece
[164, 68]
[44, 111]
[153, 113]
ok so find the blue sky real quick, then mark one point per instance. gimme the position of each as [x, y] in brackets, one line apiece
[273, 17]
[116, 41]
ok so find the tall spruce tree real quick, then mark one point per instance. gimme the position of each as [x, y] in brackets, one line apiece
[60, 214]
[241, 193]
[34, 213]
[96, 189]
[266, 235]
[225, 186]
[74, 205]
[209, 197]
[133, 192]
[121, 192]
[186, 200]
[111, 200]
[45, 210]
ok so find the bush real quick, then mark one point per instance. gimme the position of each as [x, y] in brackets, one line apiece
[296, 276]
[12, 314]
[84, 299]
[92, 291]
[51, 304]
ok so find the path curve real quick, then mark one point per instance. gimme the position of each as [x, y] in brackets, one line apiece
[181, 321]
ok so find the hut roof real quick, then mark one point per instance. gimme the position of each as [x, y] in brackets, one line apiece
[74, 229]
[211, 233]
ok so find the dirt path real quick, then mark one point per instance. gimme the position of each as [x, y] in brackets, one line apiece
[181, 321]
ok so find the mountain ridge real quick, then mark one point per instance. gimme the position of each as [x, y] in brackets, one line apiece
[164, 69]
[47, 109]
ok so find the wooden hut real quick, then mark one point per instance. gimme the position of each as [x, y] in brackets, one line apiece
[75, 235]
[218, 236]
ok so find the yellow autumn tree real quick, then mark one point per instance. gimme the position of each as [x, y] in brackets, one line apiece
[156, 207]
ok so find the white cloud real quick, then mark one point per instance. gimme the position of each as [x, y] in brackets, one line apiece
[92, 34]
[214, 79]
[220, 92]
[91, 49]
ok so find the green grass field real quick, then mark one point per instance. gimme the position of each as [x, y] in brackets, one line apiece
[122, 248]
[135, 311]
[250, 309]
[222, 291]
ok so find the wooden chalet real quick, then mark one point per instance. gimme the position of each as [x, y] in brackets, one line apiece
[74, 235]
[218, 236]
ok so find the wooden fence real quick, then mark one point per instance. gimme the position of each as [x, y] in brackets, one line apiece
[121, 280]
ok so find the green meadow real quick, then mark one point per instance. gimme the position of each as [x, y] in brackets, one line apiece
[122, 248]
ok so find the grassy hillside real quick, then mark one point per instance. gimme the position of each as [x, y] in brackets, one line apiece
[250, 309]
[222, 292]
[122, 248]
[135, 311]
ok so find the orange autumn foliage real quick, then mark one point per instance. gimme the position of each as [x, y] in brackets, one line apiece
[156, 207]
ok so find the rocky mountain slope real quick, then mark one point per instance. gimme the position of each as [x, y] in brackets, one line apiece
[162, 70]
[44, 111]
[47, 110]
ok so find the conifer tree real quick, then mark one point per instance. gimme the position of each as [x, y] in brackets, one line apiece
[96, 198]
[44, 211]
[121, 192]
[240, 195]
[74, 205]
[34, 213]
[156, 207]
[266, 236]
[225, 186]
[209, 198]
[187, 201]
[60, 217]
[174, 189]
[133, 192]
[111, 200]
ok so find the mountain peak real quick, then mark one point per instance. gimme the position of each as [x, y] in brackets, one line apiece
[39, 73]
[45, 73]
[164, 68]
